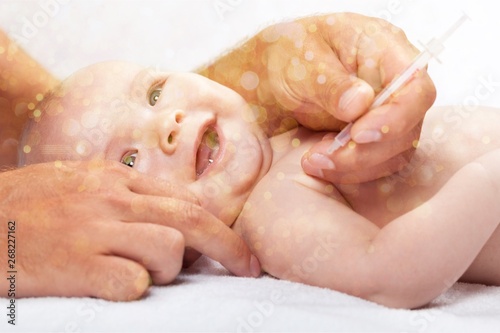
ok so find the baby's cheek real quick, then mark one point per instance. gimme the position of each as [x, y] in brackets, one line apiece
[218, 199]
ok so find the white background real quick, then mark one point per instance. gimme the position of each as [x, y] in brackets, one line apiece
[184, 34]
[66, 35]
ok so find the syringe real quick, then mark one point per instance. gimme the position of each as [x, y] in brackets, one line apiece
[431, 50]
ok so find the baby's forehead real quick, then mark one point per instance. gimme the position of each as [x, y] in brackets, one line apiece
[103, 78]
[83, 109]
[103, 85]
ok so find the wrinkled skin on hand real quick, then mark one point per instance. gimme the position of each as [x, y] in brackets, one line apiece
[133, 235]
[326, 71]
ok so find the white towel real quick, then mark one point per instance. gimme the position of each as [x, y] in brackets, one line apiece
[207, 298]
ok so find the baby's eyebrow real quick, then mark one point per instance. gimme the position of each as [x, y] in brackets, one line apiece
[142, 82]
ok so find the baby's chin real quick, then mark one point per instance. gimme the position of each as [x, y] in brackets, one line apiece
[226, 215]
[226, 211]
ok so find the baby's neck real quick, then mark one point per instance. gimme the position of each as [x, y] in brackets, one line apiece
[282, 144]
[297, 142]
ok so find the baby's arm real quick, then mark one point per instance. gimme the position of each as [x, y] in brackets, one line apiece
[313, 237]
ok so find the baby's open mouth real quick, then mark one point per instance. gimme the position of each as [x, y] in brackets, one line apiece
[207, 151]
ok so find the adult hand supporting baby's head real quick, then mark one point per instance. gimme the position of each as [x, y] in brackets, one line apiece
[327, 70]
[101, 229]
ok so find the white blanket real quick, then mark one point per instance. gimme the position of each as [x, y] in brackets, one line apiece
[207, 298]
[181, 35]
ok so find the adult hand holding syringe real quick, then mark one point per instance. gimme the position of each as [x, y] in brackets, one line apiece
[431, 50]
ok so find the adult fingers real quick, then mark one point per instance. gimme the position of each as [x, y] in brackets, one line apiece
[402, 113]
[114, 278]
[90, 275]
[97, 275]
[108, 174]
[406, 107]
[201, 230]
[190, 256]
[142, 184]
[157, 248]
[386, 168]
[325, 85]
[210, 236]
[360, 162]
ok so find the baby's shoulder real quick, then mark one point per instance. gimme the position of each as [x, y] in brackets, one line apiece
[286, 183]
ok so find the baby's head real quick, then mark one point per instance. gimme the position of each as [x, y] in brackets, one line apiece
[182, 128]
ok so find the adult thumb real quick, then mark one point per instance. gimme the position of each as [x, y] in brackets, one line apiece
[346, 97]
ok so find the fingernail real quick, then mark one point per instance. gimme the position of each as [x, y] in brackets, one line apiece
[312, 170]
[321, 161]
[351, 95]
[329, 136]
[367, 136]
[348, 97]
[255, 266]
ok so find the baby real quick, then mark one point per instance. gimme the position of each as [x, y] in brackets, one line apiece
[398, 241]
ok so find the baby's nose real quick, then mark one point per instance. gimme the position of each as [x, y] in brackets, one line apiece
[169, 130]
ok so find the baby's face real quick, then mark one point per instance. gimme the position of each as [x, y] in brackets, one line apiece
[182, 128]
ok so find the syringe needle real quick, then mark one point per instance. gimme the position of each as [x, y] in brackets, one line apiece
[454, 27]
[431, 50]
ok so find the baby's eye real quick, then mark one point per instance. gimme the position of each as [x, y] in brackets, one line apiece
[154, 96]
[129, 159]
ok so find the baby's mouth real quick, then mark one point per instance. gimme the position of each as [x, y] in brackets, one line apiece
[208, 150]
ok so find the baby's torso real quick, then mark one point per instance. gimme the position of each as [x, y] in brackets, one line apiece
[448, 141]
